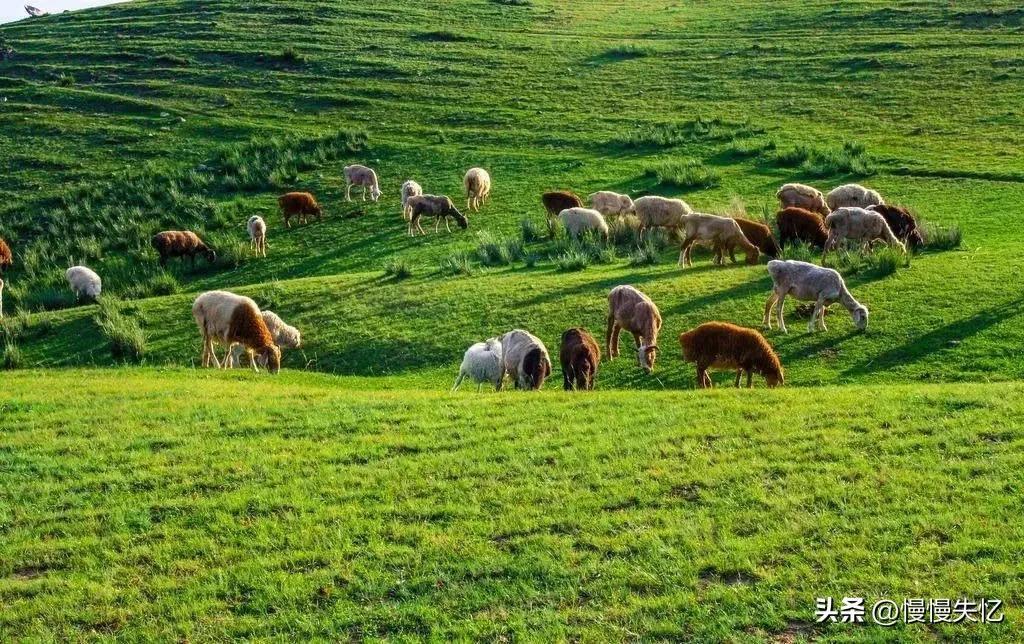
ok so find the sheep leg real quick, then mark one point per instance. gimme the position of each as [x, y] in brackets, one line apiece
[348, 191]
[615, 338]
[767, 319]
[732, 254]
[608, 336]
[778, 312]
[567, 377]
[739, 372]
[420, 228]
[703, 380]
[437, 224]
[446, 227]
[820, 307]
[364, 192]
[750, 379]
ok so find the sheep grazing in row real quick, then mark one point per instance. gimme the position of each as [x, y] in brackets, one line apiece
[84, 282]
[580, 356]
[478, 188]
[757, 234]
[798, 195]
[902, 224]
[660, 212]
[482, 363]
[438, 207]
[525, 359]
[578, 221]
[558, 200]
[718, 232]
[720, 345]
[285, 337]
[858, 225]
[852, 195]
[409, 189]
[230, 319]
[633, 311]
[810, 283]
[364, 177]
[301, 205]
[801, 225]
[257, 235]
[610, 203]
[181, 243]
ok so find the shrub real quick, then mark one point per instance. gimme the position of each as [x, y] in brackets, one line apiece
[938, 237]
[127, 341]
[456, 264]
[397, 268]
[684, 174]
[530, 231]
[12, 358]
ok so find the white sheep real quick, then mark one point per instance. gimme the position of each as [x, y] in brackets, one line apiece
[810, 283]
[409, 189]
[525, 359]
[660, 212]
[482, 363]
[853, 194]
[257, 235]
[360, 175]
[84, 282]
[798, 195]
[580, 220]
[230, 319]
[859, 225]
[478, 188]
[285, 337]
[610, 203]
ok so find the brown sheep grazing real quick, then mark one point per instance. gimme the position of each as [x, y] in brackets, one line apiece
[301, 205]
[757, 234]
[181, 243]
[902, 223]
[800, 225]
[721, 345]
[633, 311]
[580, 357]
[437, 206]
[559, 200]
[6, 257]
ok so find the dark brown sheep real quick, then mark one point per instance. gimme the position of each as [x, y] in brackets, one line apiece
[721, 345]
[559, 200]
[181, 243]
[301, 205]
[757, 234]
[6, 257]
[580, 355]
[902, 224]
[439, 207]
[799, 225]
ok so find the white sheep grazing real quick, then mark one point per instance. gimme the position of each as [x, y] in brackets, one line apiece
[799, 195]
[810, 283]
[525, 359]
[257, 235]
[660, 212]
[580, 220]
[853, 194]
[478, 188]
[285, 337]
[409, 189]
[230, 319]
[84, 282]
[482, 363]
[360, 175]
[859, 225]
[610, 203]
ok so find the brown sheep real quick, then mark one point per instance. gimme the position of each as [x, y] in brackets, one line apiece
[6, 257]
[301, 205]
[559, 200]
[721, 345]
[719, 232]
[181, 243]
[630, 309]
[800, 225]
[902, 223]
[580, 356]
[437, 206]
[757, 234]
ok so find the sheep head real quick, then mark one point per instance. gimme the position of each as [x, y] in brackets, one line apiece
[646, 355]
[269, 358]
[211, 255]
[860, 317]
[375, 193]
[460, 218]
[753, 255]
[775, 378]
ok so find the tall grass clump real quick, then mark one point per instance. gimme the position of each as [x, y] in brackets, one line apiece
[690, 173]
[938, 237]
[852, 158]
[572, 259]
[668, 135]
[398, 268]
[493, 251]
[456, 264]
[646, 254]
[530, 231]
[127, 341]
[802, 252]
[11, 358]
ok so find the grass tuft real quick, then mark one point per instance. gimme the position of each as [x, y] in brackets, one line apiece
[127, 341]
[689, 174]
[938, 237]
[398, 268]
[457, 264]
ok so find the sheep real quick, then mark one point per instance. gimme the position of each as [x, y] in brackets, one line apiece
[610, 203]
[580, 356]
[810, 283]
[1, 298]
[181, 243]
[478, 188]
[234, 319]
[257, 235]
[360, 175]
[801, 225]
[798, 195]
[437, 206]
[482, 363]
[858, 224]
[84, 282]
[659, 212]
[409, 189]
[902, 224]
[719, 232]
[559, 200]
[299, 204]
[721, 345]
[630, 309]
[757, 234]
[580, 220]
[6, 256]
[285, 337]
[525, 359]
[852, 194]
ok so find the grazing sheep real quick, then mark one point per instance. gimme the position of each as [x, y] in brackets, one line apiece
[257, 235]
[580, 356]
[438, 207]
[84, 282]
[660, 212]
[482, 363]
[810, 283]
[284, 335]
[757, 234]
[525, 359]
[478, 188]
[559, 200]
[409, 189]
[719, 232]
[299, 204]
[611, 203]
[181, 243]
[234, 319]
[633, 311]
[858, 224]
[902, 224]
[580, 220]
[360, 175]
[798, 195]
[801, 225]
[852, 194]
[720, 345]
[6, 256]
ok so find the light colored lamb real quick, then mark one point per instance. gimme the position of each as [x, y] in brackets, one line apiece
[478, 188]
[84, 282]
[810, 283]
[633, 311]
[580, 220]
[360, 175]
[611, 203]
[859, 225]
[852, 194]
[660, 212]
[525, 359]
[482, 363]
[409, 189]
[257, 235]
[285, 337]
[721, 233]
[230, 319]
[798, 195]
